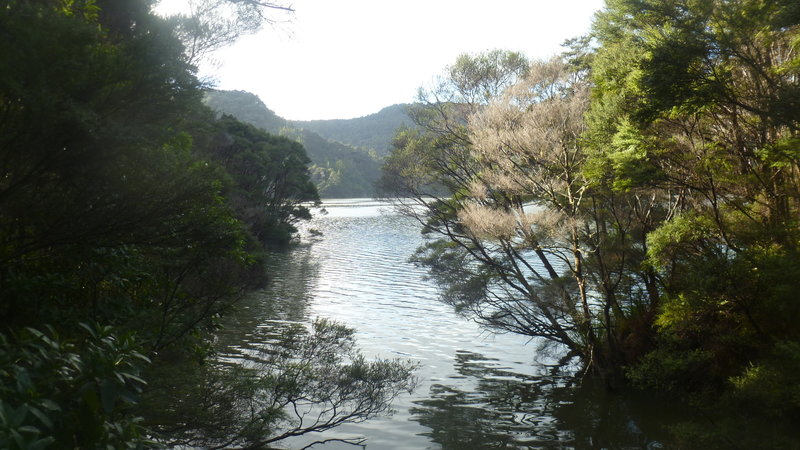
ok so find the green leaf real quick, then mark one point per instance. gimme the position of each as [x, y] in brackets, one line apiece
[41, 416]
[18, 416]
[41, 443]
[108, 395]
[18, 438]
[133, 377]
[29, 429]
[50, 405]
[87, 328]
[24, 383]
[127, 397]
[91, 400]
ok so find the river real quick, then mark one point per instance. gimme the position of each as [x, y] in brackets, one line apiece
[476, 389]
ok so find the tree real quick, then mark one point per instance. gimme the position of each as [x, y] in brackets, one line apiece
[131, 219]
[271, 178]
[210, 25]
[112, 223]
[528, 244]
[693, 101]
[301, 381]
[703, 106]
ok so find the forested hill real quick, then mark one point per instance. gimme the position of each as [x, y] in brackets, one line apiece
[374, 131]
[339, 170]
[246, 107]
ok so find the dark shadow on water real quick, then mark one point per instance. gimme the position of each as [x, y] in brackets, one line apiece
[489, 406]
[292, 275]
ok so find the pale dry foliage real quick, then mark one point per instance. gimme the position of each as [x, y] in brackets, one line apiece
[514, 151]
[526, 141]
[528, 137]
[547, 227]
[539, 226]
[485, 222]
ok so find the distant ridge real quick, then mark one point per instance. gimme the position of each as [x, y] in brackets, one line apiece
[346, 155]
[246, 107]
[374, 131]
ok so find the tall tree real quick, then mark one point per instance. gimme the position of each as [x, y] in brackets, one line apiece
[112, 231]
[125, 213]
[697, 100]
[209, 25]
[527, 243]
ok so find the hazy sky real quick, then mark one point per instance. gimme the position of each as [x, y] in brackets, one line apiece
[350, 58]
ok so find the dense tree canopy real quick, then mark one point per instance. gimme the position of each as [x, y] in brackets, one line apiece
[131, 219]
[635, 201]
[271, 177]
[538, 245]
[704, 110]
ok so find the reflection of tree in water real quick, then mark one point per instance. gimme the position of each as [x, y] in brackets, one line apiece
[292, 276]
[491, 407]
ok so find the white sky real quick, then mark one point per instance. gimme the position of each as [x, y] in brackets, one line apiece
[339, 59]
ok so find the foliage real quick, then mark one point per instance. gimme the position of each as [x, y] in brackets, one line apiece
[131, 220]
[106, 216]
[701, 97]
[301, 381]
[74, 392]
[106, 212]
[698, 94]
[271, 178]
[536, 247]
[338, 170]
[650, 226]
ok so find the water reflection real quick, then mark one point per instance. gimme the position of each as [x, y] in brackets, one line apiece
[477, 390]
[491, 407]
[292, 278]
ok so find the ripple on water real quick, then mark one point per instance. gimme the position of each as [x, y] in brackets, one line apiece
[476, 390]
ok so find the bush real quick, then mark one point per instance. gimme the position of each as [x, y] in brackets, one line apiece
[73, 391]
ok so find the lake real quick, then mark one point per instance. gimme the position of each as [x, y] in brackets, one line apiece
[476, 389]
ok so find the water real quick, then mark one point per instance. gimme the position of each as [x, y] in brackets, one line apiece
[476, 389]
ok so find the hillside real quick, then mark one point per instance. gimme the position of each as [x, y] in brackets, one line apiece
[338, 170]
[246, 107]
[374, 131]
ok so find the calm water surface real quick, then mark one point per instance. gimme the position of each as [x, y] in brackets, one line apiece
[476, 389]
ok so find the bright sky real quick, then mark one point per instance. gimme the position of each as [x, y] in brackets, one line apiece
[340, 59]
